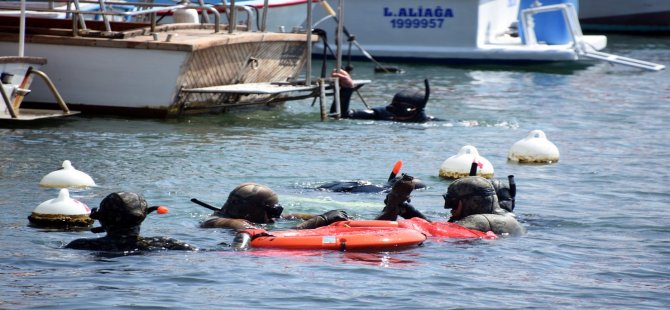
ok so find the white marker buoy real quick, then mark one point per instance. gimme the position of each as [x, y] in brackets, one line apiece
[67, 177]
[459, 165]
[534, 148]
[61, 212]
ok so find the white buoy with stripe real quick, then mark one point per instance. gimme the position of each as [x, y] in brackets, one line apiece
[459, 165]
[67, 177]
[534, 148]
[62, 211]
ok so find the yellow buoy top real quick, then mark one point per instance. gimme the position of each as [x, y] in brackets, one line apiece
[459, 165]
[67, 177]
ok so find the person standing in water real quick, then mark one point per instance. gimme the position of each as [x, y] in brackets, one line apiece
[407, 105]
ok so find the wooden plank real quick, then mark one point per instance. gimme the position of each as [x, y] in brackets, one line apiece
[259, 88]
[252, 88]
[35, 114]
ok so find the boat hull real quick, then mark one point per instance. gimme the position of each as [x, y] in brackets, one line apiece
[142, 75]
[649, 16]
[445, 31]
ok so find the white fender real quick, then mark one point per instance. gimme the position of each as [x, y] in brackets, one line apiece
[67, 177]
[185, 16]
[458, 166]
[62, 205]
[534, 148]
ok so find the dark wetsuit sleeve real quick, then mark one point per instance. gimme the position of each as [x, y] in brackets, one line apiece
[163, 243]
[324, 219]
[222, 222]
[80, 244]
[345, 99]
[408, 211]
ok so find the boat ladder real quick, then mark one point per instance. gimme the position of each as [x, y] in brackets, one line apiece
[581, 46]
[15, 113]
[275, 91]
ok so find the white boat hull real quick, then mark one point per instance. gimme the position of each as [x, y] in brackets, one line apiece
[445, 30]
[142, 75]
[109, 77]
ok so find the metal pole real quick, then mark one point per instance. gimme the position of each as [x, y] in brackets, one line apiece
[322, 98]
[308, 30]
[264, 17]
[232, 20]
[338, 57]
[22, 28]
[53, 89]
[105, 19]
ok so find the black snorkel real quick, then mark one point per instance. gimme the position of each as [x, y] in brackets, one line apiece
[473, 169]
[512, 189]
[272, 212]
[206, 205]
[427, 93]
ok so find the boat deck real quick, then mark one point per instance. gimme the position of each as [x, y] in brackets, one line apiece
[177, 37]
[36, 114]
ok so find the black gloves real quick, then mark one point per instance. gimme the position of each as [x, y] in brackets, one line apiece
[324, 219]
[397, 198]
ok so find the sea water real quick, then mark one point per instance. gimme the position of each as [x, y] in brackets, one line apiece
[598, 224]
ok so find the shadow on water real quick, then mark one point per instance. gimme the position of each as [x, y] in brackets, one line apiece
[553, 67]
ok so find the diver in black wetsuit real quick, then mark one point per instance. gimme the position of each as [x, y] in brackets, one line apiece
[474, 204]
[406, 106]
[473, 200]
[250, 204]
[360, 186]
[120, 215]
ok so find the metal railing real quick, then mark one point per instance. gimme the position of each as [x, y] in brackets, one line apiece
[581, 47]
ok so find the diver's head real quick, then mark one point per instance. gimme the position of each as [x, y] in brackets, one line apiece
[253, 202]
[410, 101]
[470, 195]
[121, 214]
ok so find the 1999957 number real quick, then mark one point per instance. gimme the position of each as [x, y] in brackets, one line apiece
[417, 22]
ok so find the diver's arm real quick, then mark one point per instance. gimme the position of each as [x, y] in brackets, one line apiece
[222, 222]
[324, 219]
[298, 216]
[397, 198]
[408, 211]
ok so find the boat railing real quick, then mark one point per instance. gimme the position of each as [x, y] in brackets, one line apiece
[582, 48]
[131, 10]
[13, 107]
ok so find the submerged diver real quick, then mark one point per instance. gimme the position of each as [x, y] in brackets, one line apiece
[406, 106]
[120, 215]
[250, 204]
[360, 186]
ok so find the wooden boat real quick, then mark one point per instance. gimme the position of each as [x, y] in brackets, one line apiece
[147, 69]
[16, 76]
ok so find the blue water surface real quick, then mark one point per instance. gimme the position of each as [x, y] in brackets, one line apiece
[598, 226]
